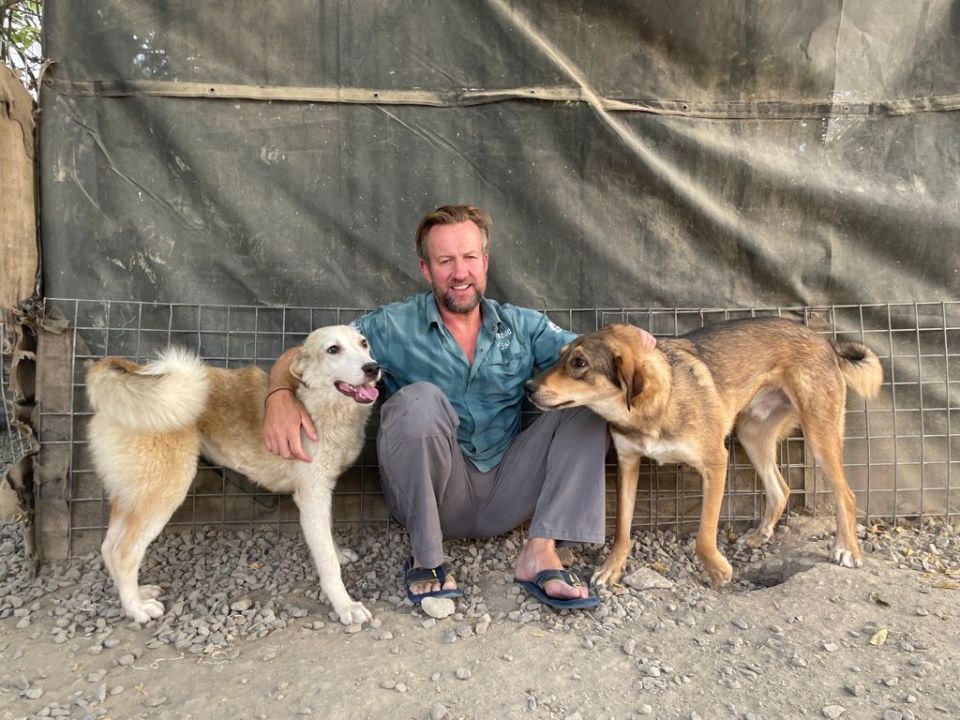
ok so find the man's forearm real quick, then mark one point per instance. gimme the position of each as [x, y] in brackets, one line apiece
[280, 376]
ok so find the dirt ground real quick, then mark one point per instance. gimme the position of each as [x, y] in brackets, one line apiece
[796, 637]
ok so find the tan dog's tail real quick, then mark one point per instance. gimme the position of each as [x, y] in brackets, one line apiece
[860, 368]
[167, 394]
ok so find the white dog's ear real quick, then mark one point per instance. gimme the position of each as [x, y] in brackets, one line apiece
[297, 364]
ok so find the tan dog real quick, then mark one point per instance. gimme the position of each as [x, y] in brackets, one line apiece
[679, 401]
[151, 422]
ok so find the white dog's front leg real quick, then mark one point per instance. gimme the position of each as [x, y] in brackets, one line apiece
[314, 498]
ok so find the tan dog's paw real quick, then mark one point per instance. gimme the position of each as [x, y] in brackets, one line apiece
[610, 572]
[850, 558]
[719, 571]
[353, 613]
[755, 537]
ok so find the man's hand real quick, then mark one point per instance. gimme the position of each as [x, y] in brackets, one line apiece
[283, 417]
[647, 341]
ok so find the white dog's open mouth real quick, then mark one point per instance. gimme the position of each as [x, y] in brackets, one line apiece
[361, 393]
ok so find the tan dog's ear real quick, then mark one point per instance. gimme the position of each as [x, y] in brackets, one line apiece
[629, 378]
[634, 343]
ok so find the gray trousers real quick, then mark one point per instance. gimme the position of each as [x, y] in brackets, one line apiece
[553, 470]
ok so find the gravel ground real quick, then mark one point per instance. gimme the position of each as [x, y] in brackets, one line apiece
[247, 634]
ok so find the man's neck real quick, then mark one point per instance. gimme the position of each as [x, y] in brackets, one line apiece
[459, 322]
[464, 327]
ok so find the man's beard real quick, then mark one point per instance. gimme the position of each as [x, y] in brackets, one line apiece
[460, 306]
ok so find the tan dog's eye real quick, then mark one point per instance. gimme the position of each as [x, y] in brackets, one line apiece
[578, 362]
[333, 349]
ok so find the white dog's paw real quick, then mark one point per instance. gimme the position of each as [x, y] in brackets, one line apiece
[145, 610]
[346, 555]
[150, 592]
[353, 613]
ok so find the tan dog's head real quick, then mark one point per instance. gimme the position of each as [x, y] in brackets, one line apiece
[338, 357]
[608, 370]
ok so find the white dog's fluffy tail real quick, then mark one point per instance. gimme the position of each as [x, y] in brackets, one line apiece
[167, 394]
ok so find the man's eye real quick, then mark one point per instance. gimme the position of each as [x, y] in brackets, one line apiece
[333, 349]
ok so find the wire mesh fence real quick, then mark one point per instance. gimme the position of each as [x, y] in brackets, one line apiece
[901, 449]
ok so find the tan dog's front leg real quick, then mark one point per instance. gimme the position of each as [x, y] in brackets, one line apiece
[628, 471]
[716, 565]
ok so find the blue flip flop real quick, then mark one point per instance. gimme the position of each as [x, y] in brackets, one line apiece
[438, 574]
[545, 577]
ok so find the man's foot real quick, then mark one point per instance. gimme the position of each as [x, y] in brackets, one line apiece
[540, 554]
[424, 582]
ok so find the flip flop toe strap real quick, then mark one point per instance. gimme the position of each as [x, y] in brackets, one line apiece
[421, 574]
[545, 577]
[439, 574]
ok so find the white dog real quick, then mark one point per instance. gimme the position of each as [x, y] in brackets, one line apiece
[151, 423]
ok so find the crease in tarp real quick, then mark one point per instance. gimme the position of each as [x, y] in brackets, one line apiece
[695, 195]
[441, 142]
[468, 97]
[98, 141]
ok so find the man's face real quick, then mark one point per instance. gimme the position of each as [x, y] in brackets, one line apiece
[456, 266]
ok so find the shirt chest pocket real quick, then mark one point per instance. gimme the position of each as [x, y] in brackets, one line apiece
[509, 361]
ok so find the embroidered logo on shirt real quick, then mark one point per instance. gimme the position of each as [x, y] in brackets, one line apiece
[503, 338]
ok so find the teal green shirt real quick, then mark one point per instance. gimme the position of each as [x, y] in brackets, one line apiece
[411, 343]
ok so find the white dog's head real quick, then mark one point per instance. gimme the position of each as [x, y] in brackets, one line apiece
[338, 357]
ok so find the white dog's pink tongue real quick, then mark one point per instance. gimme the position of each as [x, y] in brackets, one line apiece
[367, 393]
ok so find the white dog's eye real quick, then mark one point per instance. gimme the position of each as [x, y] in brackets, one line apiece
[333, 349]
[364, 344]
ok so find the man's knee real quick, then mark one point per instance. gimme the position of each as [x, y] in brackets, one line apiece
[581, 429]
[416, 411]
[582, 419]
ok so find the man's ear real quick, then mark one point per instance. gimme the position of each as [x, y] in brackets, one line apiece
[425, 271]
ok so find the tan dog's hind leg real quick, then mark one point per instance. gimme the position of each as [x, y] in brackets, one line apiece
[716, 565]
[760, 439]
[314, 498]
[827, 447]
[628, 470]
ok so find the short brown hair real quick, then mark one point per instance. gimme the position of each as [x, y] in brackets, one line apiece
[450, 215]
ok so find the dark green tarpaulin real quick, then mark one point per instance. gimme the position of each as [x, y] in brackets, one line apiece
[674, 153]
